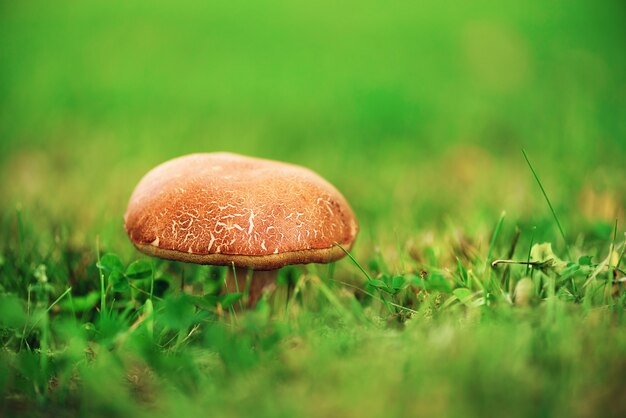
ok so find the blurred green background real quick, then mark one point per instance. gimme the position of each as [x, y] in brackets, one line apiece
[417, 112]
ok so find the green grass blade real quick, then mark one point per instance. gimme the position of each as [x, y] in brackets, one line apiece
[355, 262]
[102, 290]
[530, 248]
[494, 237]
[545, 195]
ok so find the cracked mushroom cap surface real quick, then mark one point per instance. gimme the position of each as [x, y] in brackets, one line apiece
[222, 208]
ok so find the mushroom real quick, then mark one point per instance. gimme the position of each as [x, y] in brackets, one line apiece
[228, 209]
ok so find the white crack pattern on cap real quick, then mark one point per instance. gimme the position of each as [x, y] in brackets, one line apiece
[228, 204]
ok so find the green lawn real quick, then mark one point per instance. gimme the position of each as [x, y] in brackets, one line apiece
[417, 111]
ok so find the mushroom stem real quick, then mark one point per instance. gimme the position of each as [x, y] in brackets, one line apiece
[259, 282]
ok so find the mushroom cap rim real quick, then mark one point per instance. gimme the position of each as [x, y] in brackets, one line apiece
[255, 262]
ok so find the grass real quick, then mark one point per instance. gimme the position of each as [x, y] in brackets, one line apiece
[416, 113]
[545, 195]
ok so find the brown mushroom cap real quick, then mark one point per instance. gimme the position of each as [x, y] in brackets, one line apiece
[222, 208]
